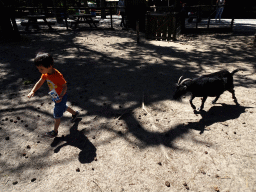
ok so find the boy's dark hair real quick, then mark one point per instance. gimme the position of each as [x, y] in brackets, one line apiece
[43, 59]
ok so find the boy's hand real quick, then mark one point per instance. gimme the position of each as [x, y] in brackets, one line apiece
[58, 101]
[31, 94]
[36, 87]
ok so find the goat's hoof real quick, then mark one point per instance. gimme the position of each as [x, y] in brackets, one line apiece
[196, 112]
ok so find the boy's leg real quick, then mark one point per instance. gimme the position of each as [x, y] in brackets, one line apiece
[74, 114]
[56, 124]
[60, 108]
[58, 111]
[54, 133]
[71, 111]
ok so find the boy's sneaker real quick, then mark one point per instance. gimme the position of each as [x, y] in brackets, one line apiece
[74, 117]
[51, 134]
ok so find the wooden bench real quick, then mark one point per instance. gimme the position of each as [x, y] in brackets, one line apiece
[36, 24]
[33, 20]
[23, 23]
[74, 22]
[83, 18]
[107, 12]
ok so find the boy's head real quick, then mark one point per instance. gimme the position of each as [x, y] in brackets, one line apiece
[44, 63]
[43, 60]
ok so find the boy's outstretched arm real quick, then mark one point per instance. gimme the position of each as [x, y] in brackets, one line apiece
[36, 87]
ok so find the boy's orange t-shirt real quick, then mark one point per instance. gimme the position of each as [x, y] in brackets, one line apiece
[54, 81]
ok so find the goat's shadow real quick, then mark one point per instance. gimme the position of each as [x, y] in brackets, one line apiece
[77, 139]
[217, 114]
[214, 115]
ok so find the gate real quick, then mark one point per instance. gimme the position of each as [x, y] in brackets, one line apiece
[164, 26]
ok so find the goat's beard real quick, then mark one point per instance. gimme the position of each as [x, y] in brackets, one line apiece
[177, 97]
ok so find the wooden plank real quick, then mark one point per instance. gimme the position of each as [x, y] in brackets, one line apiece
[84, 21]
[37, 23]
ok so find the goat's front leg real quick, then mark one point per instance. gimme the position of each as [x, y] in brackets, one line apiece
[233, 96]
[190, 101]
[202, 105]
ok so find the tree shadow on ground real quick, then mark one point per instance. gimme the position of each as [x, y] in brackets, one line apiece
[99, 81]
[77, 139]
[216, 114]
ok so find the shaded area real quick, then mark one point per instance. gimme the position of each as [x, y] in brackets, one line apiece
[105, 84]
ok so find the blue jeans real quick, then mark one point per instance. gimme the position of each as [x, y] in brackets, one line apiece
[60, 108]
[219, 12]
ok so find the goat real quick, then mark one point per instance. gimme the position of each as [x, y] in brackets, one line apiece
[211, 85]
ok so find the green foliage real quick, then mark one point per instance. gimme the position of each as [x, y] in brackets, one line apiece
[71, 11]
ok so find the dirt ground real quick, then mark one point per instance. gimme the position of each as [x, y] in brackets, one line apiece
[131, 135]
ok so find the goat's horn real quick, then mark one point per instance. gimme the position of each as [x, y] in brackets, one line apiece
[187, 79]
[179, 79]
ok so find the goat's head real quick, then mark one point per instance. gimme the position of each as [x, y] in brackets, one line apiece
[181, 88]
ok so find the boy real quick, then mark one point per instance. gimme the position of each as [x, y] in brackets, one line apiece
[58, 88]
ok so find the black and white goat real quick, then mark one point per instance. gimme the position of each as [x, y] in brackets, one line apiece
[211, 85]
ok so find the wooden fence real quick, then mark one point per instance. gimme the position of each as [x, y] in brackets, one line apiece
[164, 26]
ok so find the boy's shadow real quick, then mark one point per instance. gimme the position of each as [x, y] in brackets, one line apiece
[77, 139]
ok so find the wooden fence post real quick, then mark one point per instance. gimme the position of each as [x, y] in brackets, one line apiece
[146, 25]
[254, 43]
[232, 23]
[174, 25]
[170, 26]
[138, 31]
[111, 17]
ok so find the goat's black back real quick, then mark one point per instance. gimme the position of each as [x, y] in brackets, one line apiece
[207, 86]
[212, 84]
[220, 74]
[225, 75]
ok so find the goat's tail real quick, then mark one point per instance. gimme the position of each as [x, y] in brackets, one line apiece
[233, 72]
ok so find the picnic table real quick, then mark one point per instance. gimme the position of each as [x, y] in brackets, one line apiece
[84, 18]
[33, 20]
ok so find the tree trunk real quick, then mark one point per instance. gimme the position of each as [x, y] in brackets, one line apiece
[103, 11]
[8, 27]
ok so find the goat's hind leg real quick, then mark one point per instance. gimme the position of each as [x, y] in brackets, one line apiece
[215, 100]
[232, 91]
[190, 101]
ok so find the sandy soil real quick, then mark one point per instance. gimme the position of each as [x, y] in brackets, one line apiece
[132, 136]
